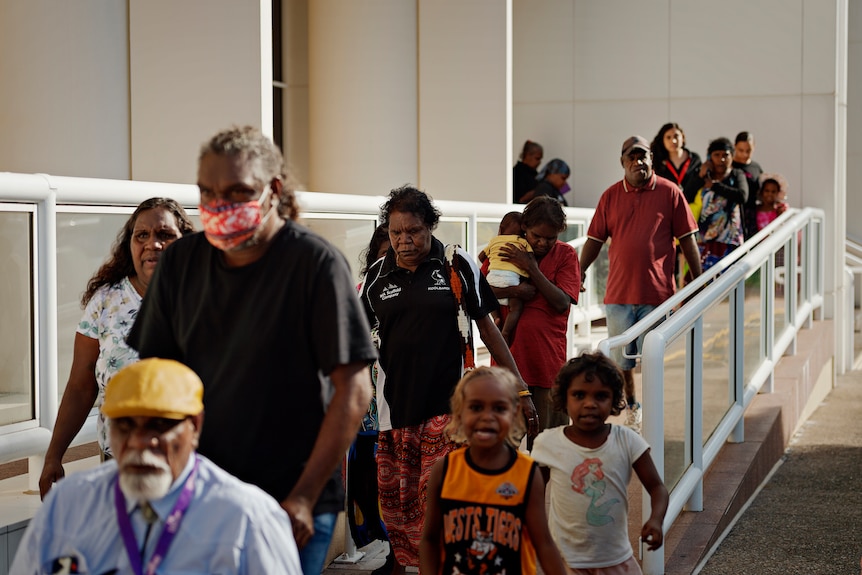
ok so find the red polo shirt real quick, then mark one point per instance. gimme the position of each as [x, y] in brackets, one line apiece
[641, 224]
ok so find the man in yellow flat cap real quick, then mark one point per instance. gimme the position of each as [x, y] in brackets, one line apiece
[159, 504]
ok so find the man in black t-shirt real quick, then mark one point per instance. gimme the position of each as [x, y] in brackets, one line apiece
[265, 312]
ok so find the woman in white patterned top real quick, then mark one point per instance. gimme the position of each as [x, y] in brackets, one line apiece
[111, 301]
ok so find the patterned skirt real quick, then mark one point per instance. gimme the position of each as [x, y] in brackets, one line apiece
[404, 460]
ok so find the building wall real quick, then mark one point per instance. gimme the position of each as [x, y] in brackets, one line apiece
[419, 91]
[463, 99]
[195, 67]
[854, 121]
[64, 88]
[589, 74]
[585, 75]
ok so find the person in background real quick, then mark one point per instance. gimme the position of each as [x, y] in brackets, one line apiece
[425, 297]
[771, 203]
[525, 171]
[642, 214]
[160, 505]
[743, 149]
[539, 341]
[589, 464]
[503, 274]
[363, 502]
[265, 312]
[489, 478]
[552, 182]
[672, 160]
[721, 190]
[111, 301]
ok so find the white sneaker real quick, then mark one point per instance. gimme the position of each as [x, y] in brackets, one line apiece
[633, 417]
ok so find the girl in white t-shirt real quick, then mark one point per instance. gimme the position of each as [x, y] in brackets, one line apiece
[589, 465]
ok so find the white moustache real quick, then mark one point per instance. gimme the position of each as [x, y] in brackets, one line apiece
[146, 458]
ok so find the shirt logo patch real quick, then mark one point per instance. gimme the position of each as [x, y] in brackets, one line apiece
[389, 292]
[507, 490]
[439, 282]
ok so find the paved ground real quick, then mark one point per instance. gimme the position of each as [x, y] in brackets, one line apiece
[807, 519]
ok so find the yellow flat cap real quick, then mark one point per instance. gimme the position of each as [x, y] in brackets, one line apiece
[154, 388]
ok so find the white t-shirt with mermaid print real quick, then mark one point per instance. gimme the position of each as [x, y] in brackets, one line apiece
[588, 512]
[108, 318]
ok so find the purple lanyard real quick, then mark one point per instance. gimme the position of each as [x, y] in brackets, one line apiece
[172, 524]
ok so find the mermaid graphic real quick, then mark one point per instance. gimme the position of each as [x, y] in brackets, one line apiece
[589, 479]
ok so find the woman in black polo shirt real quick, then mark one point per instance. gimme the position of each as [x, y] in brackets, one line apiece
[423, 297]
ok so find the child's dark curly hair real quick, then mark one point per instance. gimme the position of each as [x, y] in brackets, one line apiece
[592, 365]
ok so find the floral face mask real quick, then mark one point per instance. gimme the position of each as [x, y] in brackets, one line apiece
[229, 225]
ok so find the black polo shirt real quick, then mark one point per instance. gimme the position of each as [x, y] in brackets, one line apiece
[420, 348]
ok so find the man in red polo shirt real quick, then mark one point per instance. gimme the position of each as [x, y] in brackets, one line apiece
[643, 213]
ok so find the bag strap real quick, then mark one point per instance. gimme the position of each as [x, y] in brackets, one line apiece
[456, 283]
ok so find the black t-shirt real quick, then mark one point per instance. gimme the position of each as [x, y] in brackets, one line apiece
[752, 172]
[523, 180]
[420, 346]
[262, 338]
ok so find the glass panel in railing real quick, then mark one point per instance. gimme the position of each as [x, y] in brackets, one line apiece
[781, 302]
[485, 230]
[753, 352]
[453, 231]
[84, 243]
[599, 270]
[16, 305]
[676, 461]
[573, 231]
[351, 236]
[716, 365]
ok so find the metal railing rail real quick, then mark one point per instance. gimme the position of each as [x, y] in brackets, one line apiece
[46, 196]
[803, 259]
[853, 275]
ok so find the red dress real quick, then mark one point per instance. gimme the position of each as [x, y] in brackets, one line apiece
[539, 344]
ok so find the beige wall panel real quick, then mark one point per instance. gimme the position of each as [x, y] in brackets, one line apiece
[550, 124]
[543, 47]
[600, 129]
[817, 185]
[197, 66]
[854, 123]
[295, 104]
[620, 50]
[362, 96]
[774, 121]
[64, 88]
[296, 135]
[819, 35]
[462, 93]
[717, 54]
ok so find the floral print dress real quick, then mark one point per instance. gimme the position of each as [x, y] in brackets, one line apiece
[108, 318]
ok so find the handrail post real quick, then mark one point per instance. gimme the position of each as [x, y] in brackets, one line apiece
[45, 309]
[767, 287]
[737, 357]
[791, 281]
[652, 373]
[694, 409]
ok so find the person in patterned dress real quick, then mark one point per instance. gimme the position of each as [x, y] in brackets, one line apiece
[111, 301]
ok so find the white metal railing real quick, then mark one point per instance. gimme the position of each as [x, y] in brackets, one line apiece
[853, 271]
[471, 224]
[46, 197]
[797, 237]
